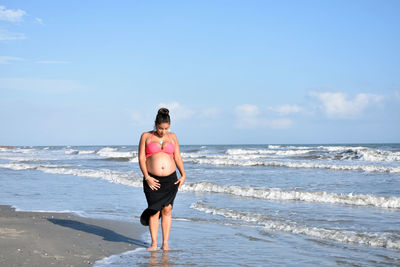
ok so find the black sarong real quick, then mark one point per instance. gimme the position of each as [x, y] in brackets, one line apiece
[157, 199]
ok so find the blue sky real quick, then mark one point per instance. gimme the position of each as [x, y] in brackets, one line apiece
[231, 72]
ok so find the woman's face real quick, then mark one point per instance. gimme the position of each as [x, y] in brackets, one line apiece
[162, 128]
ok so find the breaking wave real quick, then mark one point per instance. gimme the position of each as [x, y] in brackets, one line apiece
[359, 238]
[304, 165]
[125, 178]
[287, 195]
[324, 152]
[134, 179]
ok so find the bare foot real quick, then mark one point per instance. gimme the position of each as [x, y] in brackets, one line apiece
[152, 248]
[165, 247]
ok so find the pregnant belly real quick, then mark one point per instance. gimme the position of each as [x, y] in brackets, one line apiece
[160, 164]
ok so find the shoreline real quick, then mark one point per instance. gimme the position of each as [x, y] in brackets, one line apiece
[29, 238]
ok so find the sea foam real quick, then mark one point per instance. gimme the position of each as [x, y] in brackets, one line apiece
[290, 195]
[296, 164]
[352, 237]
[134, 179]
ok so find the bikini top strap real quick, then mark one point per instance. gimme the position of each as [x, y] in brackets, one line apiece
[169, 137]
[151, 138]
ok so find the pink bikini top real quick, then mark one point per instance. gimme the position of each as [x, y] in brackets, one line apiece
[153, 148]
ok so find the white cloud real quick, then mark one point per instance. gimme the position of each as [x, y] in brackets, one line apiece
[52, 62]
[209, 113]
[39, 20]
[11, 15]
[397, 95]
[177, 111]
[338, 105]
[286, 109]
[7, 59]
[39, 85]
[139, 119]
[249, 116]
[280, 123]
[7, 36]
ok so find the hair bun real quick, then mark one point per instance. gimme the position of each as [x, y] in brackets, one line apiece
[163, 111]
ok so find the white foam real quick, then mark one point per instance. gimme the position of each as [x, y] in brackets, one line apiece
[380, 155]
[267, 152]
[363, 153]
[124, 178]
[114, 259]
[240, 151]
[26, 150]
[84, 152]
[330, 152]
[298, 164]
[78, 213]
[108, 149]
[13, 158]
[71, 151]
[352, 237]
[135, 159]
[247, 156]
[112, 154]
[135, 180]
[288, 195]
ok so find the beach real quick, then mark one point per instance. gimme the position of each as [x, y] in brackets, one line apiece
[61, 239]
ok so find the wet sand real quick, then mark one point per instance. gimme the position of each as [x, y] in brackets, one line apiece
[62, 239]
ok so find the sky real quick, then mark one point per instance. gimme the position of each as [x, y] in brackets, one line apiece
[231, 72]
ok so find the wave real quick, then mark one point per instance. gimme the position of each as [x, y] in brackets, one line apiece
[134, 179]
[71, 152]
[186, 155]
[116, 258]
[359, 238]
[22, 159]
[125, 178]
[304, 165]
[108, 149]
[121, 159]
[288, 195]
[324, 152]
[115, 154]
[239, 151]
[84, 152]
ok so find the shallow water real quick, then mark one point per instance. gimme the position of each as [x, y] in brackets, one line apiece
[244, 205]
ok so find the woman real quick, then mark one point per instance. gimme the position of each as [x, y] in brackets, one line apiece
[159, 156]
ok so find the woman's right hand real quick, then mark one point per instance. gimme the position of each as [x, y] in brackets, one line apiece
[153, 183]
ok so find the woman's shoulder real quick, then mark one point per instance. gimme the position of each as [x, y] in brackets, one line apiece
[145, 134]
[172, 135]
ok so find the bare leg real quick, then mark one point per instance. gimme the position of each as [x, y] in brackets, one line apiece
[166, 225]
[153, 226]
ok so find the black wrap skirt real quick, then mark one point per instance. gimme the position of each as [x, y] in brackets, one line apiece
[157, 199]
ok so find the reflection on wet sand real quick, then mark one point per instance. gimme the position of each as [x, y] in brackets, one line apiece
[162, 260]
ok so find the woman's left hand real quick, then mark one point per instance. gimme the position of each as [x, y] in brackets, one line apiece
[181, 181]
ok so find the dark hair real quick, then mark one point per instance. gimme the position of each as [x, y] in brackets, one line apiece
[162, 116]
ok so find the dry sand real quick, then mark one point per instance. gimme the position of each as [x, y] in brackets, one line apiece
[62, 239]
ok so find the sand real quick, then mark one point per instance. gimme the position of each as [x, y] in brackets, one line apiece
[62, 239]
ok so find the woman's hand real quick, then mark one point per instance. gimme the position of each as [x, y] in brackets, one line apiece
[181, 181]
[152, 182]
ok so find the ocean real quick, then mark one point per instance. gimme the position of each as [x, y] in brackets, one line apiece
[241, 205]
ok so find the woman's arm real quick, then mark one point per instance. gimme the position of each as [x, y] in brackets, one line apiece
[152, 182]
[179, 162]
